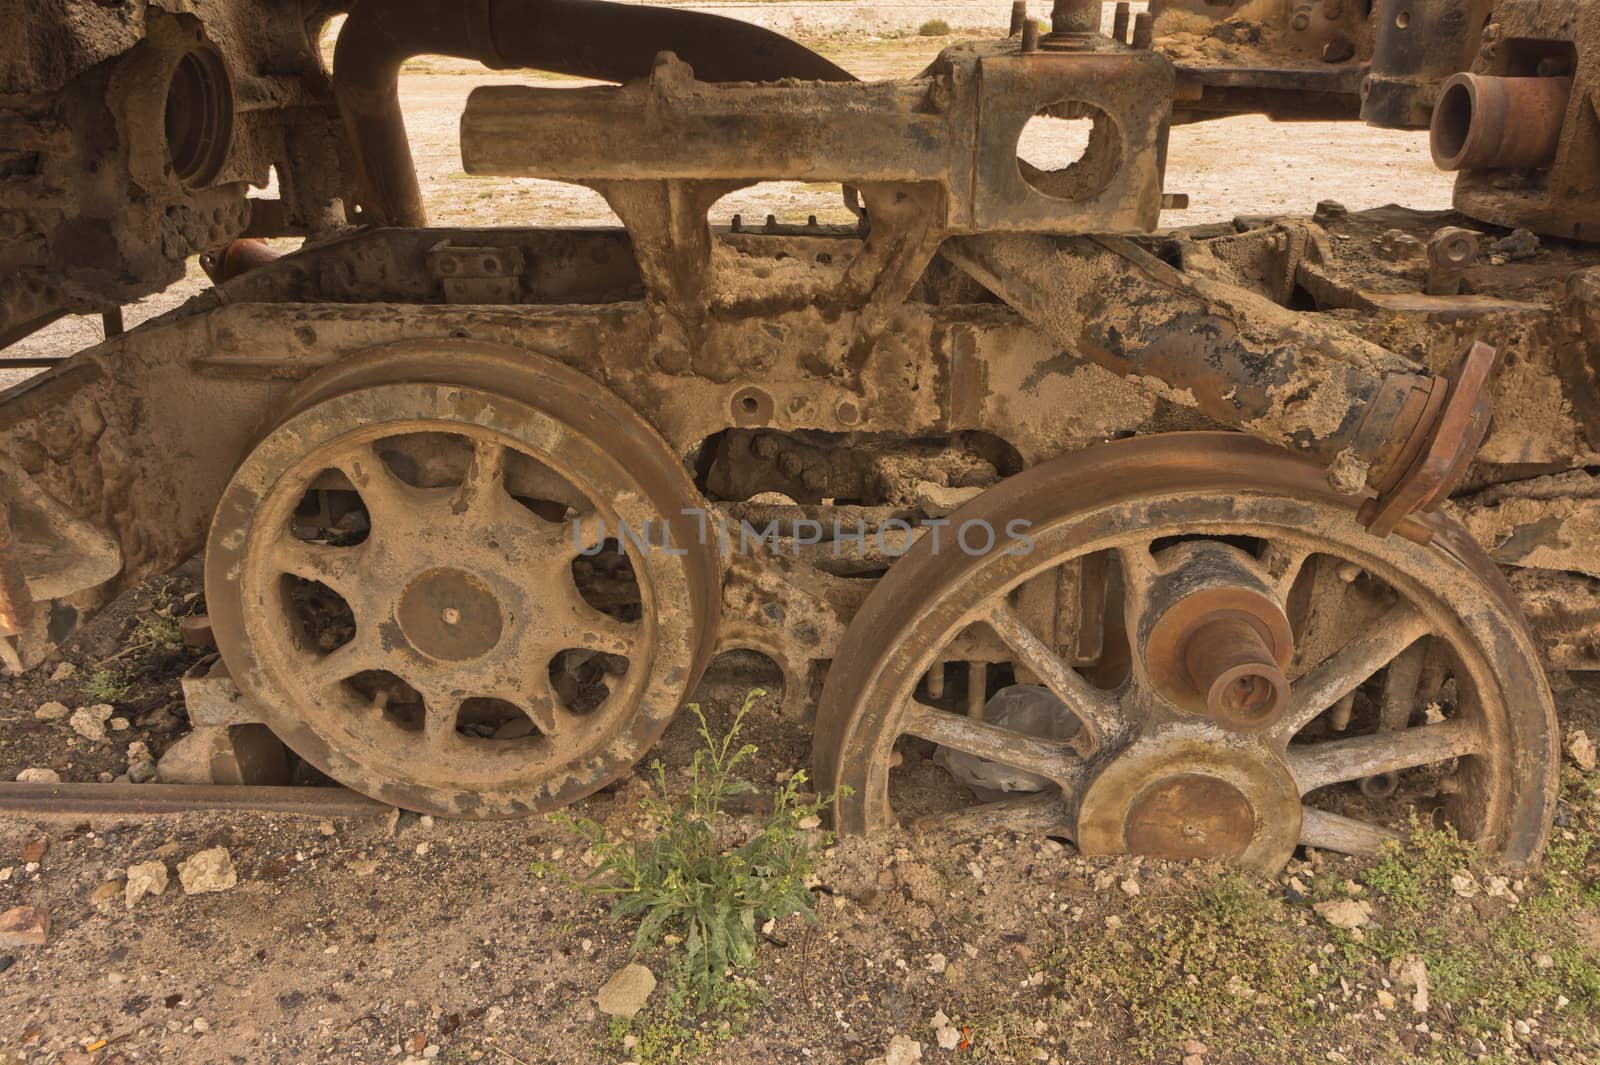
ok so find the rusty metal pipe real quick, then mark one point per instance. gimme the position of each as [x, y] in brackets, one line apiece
[1489, 123]
[1229, 661]
[586, 38]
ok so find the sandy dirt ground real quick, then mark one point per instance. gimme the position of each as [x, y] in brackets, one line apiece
[405, 940]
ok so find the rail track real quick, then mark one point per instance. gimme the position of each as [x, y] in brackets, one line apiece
[168, 800]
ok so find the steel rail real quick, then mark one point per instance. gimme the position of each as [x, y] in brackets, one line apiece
[165, 800]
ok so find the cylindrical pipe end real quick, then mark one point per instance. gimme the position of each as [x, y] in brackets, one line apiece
[1489, 123]
[1229, 660]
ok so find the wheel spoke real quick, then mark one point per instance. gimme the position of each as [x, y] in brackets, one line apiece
[532, 693]
[1041, 814]
[1334, 832]
[342, 663]
[485, 478]
[385, 495]
[441, 712]
[1350, 666]
[1283, 563]
[337, 567]
[1059, 762]
[1400, 687]
[1318, 765]
[1097, 712]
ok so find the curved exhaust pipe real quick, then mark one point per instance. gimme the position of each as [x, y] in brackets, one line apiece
[585, 38]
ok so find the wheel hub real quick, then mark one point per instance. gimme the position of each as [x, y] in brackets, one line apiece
[1183, 794]
[451, 615]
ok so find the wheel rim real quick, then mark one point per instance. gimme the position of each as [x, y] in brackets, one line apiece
[448, 660]
[1142, 773]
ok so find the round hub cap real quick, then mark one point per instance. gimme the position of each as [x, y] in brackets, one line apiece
[450, 615]
[1183, 794]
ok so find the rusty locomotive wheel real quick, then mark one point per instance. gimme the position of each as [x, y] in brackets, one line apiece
[435, 577]
[1272, 674]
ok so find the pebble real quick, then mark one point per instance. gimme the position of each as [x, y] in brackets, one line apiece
[1345, 913]
[24, 926]
[209, 870]
[1194, 1047]
[1463, 884]
[1413, 973]
[145, 878]
[118, 724]
[902, 1050]
[625, 994]
[1521, 244]
[107, 894]
[90, 721]
[1580, 748]
[34, 851]
[62, 672]
[1129, 887]
[38, 775]
[51, 711]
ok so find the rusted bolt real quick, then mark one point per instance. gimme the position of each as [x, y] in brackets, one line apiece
[1019, 16]
[1144, 31]
[1451, 251]
[1120, 18]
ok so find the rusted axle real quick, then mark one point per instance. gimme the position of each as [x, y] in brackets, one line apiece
[1489, 123]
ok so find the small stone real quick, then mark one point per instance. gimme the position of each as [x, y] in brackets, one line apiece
[63, 671]
[1345, 913]
[209, 870]
[1543, 961]
[202, 1025]
[118, 724]
[34, 851]
[1498, 887]
[1129, 887]
[902, 1050]
[142, 772]
[1194, 1046]
[808, 822]
[1580, 748]
[51, 711]
[938, 963]
[1413, 973]
[107, 894]
[1386, 1000]
[1521, 244]
[145, 878]
[1463, 884]
[939, 1020]
[947, 1038]
[90, 721]
[38, 775]
[24, 926]
[625, 994]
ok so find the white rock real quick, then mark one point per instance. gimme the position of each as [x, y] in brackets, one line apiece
[1498, 887]
[1580, 748]
[902, 1050]
[948, 1038]
[145, 878]
[1129, 887]
[38, 775]
[1413, 973]
[1386, 1001]
[51, 711]
[118, 724]
[938, 963]
[210, 870]
[625, 994]
[1345, 913]
[62, 672]
[90, 721]
[1463, 884]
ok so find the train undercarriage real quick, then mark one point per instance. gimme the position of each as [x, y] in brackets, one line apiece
[1206, 542]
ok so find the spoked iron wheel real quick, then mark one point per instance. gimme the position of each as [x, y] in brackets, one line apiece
[1272, 674]
[425, 587]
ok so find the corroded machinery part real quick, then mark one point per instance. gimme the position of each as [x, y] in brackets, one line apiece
[1145, 774]
[1489, 123]
[586, 38]
[1238, 357]
[1217, 639]
[450, 593]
